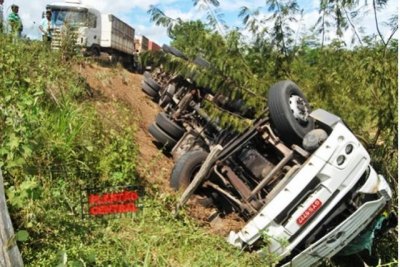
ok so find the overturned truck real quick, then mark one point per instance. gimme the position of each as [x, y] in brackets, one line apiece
[299, 176]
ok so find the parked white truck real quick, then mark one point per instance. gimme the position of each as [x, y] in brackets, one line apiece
[95, 32]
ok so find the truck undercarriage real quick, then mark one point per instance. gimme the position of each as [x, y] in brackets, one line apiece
[299, 179]
[301, 199]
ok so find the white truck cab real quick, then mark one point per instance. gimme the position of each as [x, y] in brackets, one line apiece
[300, 178]
[86, 20]
[342, 170]
[94, 32]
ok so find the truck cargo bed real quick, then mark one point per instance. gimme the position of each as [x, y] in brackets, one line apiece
[116, 34]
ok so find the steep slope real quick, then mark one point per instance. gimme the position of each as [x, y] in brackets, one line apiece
[120, 85]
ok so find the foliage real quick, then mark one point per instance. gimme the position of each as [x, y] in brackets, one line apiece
[68, 47]
[53, 142]
[359, 85]
[57, 140]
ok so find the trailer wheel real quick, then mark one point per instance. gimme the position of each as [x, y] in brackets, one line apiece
[162, 137]
[186, 168]
[201, 62]
[169, 126]
[149, 90]
[289, 112]
[150, 81]
[173, 51]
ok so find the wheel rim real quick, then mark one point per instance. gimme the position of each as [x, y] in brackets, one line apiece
[299, 109]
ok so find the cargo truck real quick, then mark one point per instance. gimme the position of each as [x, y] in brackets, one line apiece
[95, 32]
[141, 44]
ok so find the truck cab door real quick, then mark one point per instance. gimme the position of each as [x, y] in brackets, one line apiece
[93, 34]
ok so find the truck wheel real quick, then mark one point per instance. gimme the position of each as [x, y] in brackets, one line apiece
[149, 90]
[94, 51]
[186, 168]
[162, 137]
[152, 83]
[201, 62]
[169, 126]
[289, 112]
[166, 49]
[178, 53]
[174, 51]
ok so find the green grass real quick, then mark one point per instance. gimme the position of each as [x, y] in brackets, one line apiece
[152, 237]
[54, 142]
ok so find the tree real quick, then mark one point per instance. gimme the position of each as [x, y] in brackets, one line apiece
[214, 16]
[358, 84]
[159, 18]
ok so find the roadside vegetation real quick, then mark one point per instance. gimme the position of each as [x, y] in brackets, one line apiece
[55, 142]
[356, 81]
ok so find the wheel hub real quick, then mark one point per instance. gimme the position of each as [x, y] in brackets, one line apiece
[299, 108]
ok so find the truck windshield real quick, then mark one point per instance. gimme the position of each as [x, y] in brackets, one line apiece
[74, 18]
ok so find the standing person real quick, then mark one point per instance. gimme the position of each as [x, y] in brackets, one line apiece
[1, 16]
[15, 22]
[45, 27]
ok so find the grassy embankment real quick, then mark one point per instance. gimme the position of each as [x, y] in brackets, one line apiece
[53, 143]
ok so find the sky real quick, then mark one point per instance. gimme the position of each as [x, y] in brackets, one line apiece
[134, 12]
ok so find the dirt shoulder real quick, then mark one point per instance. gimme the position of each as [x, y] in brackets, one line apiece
[117, 84]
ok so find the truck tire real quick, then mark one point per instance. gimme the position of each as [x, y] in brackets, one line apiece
[173, 51]
[201, 62]
[162, 137]
[289, 112]
[186, 168]
[153, 84]
[94, 51]
[149, 90]
[169, 126]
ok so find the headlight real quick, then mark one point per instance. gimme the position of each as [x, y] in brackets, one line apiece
[340, 160]
[349, 149]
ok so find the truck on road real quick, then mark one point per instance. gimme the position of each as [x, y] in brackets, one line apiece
[95, 32]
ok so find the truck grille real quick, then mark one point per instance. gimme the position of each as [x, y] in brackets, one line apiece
[56, 39]
[63, 37]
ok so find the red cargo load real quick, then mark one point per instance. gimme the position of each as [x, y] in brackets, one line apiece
[153, 46]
